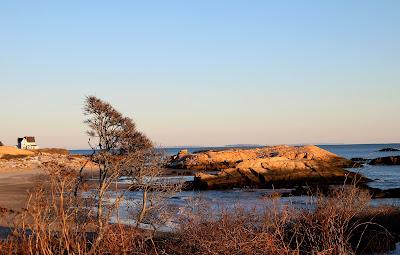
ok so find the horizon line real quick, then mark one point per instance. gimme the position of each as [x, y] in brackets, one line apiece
[256, 145]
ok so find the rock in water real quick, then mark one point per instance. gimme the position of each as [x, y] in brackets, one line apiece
[360, 160]
[394, 160]
[278, 166]
[388, 149]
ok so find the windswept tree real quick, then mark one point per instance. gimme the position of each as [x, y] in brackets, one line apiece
[113, 137]
[119, 149]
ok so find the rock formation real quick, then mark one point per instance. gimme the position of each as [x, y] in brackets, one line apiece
[224, 159]
[393, 160]
[388, 149]
[278, 166]
[360, 160]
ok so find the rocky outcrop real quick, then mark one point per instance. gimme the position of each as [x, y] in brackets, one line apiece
[278, 172]
[388, 193]
[393, 160]
[327, 190]
[225, 159]
[388, 149]
[277, 166]
[360, 160]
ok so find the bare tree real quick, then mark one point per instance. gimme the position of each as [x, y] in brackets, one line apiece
[112, 137]
[119, 149]
[145, 168]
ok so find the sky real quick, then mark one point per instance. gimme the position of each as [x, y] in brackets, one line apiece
[203, 72]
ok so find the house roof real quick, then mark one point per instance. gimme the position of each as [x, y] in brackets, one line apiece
[30, 139]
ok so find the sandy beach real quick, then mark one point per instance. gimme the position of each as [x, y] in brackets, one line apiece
[15, 185]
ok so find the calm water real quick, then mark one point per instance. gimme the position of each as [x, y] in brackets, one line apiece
[385, 177]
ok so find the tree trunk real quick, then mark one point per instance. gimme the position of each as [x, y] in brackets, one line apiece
[144, 208]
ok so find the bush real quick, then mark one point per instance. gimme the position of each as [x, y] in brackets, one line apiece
[10, 156]
[338, 224]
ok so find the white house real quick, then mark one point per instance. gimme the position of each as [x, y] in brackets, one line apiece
[27, 143]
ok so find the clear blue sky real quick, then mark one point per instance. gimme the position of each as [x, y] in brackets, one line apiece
[203, 72]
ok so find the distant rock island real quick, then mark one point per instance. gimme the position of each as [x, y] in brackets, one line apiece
[388, 149]
[275, 166]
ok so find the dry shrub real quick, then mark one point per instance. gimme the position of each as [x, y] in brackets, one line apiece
[342, 223]
[330, 226]
[236, 231]
[54, 220]
[345, 223]
[57, 221]
[10, 156]
[122, 239]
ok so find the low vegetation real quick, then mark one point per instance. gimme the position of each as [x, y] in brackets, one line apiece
[57, 222]
[10, 151]
[11, 156]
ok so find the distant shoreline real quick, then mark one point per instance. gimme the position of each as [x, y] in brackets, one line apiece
[258, 145]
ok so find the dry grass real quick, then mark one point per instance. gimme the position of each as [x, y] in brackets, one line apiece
[13, 152]
[10, 157]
